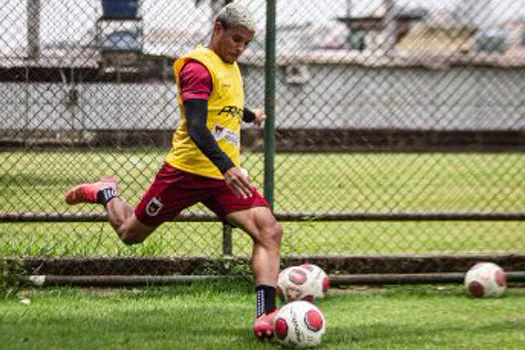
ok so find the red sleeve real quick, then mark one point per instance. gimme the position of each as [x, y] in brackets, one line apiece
[195, 81]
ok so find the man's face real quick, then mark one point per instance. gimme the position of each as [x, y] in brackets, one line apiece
[230, 43]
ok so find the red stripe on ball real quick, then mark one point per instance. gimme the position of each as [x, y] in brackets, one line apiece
[476, 289]
[326, 284]
[281, 328]
[501, 278]
[297, 276]
[313, 320]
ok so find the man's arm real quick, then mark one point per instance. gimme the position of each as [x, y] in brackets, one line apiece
[248, 116]
[196, 86]
[196, 115]
[257, 116]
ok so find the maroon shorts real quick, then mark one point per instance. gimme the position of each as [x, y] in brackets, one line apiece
[174, 190]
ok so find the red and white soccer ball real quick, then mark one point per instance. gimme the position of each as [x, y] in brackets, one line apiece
[294, 284]
[485, 279]
[300, 324]
[304, 282]
[319, 280]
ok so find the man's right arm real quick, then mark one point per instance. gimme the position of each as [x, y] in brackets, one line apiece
[196, 117]
[196, 86]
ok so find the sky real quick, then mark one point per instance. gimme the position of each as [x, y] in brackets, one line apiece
[66, 20]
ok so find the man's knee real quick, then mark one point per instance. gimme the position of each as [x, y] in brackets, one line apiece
[134, 232]
[129, 237]
[272, 233]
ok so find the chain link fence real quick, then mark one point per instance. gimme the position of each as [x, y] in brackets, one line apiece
[385, 110]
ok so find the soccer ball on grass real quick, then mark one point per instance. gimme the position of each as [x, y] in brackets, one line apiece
[304, 282]
[294, 284]
[300, 324]
[485, 279]
[319, 280]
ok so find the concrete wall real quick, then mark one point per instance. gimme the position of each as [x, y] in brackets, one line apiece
[98, 106]
[334, 96]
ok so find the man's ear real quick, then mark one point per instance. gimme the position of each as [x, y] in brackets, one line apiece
[217, 28]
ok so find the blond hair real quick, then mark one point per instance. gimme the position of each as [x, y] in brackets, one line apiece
[234, 14]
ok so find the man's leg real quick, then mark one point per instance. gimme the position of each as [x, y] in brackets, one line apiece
[123, 220]
[121, 215]
[266, 233]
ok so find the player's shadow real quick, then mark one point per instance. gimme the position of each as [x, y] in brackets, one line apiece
[394, 332]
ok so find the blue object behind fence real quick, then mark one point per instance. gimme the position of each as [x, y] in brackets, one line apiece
[120, 8]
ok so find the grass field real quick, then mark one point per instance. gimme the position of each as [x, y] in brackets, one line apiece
[384, 182]
[220, 315]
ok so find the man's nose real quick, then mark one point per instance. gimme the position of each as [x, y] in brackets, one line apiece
[240, 47]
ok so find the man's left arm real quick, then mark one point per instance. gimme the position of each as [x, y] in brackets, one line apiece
[256, 116]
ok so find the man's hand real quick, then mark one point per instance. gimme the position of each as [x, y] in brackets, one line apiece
[260, 117]
[238, 182]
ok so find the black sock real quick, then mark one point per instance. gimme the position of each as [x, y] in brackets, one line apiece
[265, 299]
[106, 194]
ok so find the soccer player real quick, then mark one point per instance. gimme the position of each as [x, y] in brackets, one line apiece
[203, 165]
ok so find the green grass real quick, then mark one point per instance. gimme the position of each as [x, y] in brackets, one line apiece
[220, 315]
[382, 182]
[205, 239]
[36, 181]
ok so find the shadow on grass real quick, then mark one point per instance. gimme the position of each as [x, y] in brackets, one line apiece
[392, 333]
[201, 327]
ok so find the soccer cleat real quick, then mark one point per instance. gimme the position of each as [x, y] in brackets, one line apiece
[87, 192]
[263, 325]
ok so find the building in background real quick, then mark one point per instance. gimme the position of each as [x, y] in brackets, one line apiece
[371, 32]
[474, 13]
[441, 40]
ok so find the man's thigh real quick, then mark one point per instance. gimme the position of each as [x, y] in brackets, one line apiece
[171, 192]
[224, 202]
[252, 221]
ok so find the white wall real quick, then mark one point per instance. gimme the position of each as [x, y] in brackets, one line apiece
[335, 96]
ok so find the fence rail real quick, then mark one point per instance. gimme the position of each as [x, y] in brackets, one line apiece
[281, 216]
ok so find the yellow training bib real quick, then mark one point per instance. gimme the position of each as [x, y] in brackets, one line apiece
[225, 111]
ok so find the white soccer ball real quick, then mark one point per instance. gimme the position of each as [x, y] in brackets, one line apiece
[319, 280]
[485, 279]
[300, 324]
[294, 283]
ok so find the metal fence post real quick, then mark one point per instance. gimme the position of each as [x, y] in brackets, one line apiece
[227, 242]
[269, 103]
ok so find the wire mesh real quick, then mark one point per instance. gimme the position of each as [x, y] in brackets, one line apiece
[381, 106]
